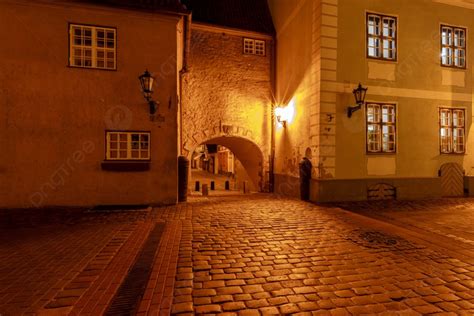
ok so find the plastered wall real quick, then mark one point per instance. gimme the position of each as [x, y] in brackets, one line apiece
[54, 117]
[306, 60]
[416, 83]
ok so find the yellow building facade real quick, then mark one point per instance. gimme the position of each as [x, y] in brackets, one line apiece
[412, 136]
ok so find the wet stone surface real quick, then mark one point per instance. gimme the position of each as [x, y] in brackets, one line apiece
[380, 240]
[260, 255]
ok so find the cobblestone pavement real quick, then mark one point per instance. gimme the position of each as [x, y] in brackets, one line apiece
[261, 255]
[241, 255]
[451, 219]
[60, 262]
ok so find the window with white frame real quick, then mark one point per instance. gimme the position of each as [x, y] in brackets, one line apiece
[381, 128]
[381, 36]
[92, 47]
[452, 124]
[128, 145]
[453, 46]
[254, 47]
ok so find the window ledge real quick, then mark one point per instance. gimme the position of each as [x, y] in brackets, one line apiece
[125, 166]
[453, 154]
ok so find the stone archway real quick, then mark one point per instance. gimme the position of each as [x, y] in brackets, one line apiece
[253, 155]
[249, 155]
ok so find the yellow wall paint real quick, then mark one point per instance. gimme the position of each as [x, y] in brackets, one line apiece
[331, 61]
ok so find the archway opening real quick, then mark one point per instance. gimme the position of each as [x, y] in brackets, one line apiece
[234, 160]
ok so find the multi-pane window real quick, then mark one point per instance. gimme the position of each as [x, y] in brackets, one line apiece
[381, 36]
[452, 124]
[381, 128]
[128, 146]
[92, 47]
[254, 47]
[453, 46]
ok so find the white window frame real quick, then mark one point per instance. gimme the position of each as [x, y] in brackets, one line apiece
[384, 38]
[253, 46]
[453, 47]
[452, 130]
[93, 51]
[385, 125]
[125, 138]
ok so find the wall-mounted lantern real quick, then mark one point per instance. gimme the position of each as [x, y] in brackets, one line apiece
[359, 95]
[285, 114]
[279, 115]
[146, 82]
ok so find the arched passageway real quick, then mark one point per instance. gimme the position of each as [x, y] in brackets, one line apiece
[248, 162]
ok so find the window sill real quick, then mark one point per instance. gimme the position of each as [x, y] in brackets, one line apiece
[92, 68]
[447, 67]
[380, 153]
[453, 154]
[384, 60]
[125, 166]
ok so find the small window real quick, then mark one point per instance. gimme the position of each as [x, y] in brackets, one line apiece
[128, 146]
[381, 36]
[92, 47]
[452, 131]
[453, 46]
[381, 128]
[254, 47]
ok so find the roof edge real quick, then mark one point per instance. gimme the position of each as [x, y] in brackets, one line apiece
[233, 31]
[177, 9]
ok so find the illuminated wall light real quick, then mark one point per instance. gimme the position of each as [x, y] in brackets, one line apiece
[285, 114]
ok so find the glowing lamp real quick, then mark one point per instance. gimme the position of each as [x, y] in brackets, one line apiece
[285, 114]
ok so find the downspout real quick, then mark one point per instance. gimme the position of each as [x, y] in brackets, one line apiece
[182, 72]
[273, 87]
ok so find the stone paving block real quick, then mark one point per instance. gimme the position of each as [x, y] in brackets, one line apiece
[202, 300]
[213, 284]
[242, 297]
[249, 312]
[204, 292]
[275, 301]
[308, 306]
[182, 308]
[222, 298]
[269, 311]
[254, 304]
[252, 289]
[207, 309]
[233, 306]
[229, 290]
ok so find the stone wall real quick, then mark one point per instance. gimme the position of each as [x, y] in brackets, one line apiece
[227, 94]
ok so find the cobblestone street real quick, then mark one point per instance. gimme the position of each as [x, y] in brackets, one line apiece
[244, 255]
[268, 256]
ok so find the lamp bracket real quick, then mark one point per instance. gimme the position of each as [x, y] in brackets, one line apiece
[153, 106]
[353, 109]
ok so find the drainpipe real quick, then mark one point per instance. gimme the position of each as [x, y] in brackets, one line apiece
[273, 84]
[182, 72]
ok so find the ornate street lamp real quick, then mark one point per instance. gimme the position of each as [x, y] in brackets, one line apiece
[359, 95]
[146, 82]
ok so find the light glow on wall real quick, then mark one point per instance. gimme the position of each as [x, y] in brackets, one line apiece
[284, 115]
